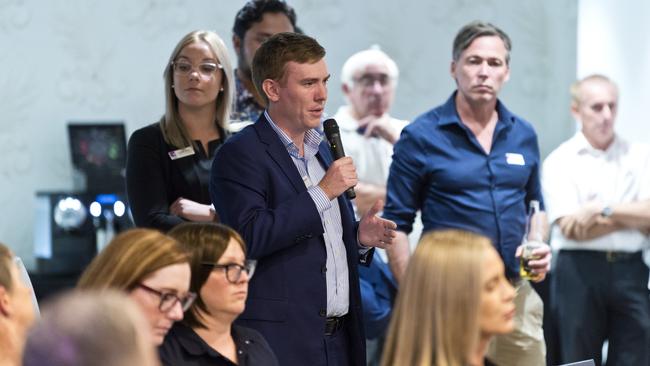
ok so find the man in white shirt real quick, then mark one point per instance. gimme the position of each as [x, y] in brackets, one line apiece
[368, 132]
[597, 193]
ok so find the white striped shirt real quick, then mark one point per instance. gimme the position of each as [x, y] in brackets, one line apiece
[311, 171]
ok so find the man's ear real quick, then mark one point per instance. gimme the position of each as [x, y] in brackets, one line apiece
[575, 111]
[345, 88]
[5, 302]
[236, 43]
[271, 89]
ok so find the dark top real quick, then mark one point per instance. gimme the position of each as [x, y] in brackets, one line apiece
[183, 346]
[154, 181]
[378, 293]
[439, 167]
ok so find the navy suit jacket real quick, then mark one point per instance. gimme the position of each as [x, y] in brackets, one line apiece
[257, 190]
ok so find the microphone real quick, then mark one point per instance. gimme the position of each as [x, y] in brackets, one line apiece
[333, 136]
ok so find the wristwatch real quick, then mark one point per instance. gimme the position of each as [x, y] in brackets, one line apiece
[606, 212]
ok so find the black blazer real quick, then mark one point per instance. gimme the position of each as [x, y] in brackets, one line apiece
[258, 191]
[154, 181]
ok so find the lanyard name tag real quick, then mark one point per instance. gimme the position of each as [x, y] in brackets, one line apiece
[181, 153]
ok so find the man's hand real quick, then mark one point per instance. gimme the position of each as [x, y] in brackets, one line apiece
[191, 210]
[587, 215]
[375, 231]
[379, 127]
[340, 176]
[542, 264]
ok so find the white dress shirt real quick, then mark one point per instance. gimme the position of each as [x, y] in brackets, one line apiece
[576, 173]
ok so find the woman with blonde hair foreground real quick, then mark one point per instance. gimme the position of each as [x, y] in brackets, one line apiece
[453, 299]
[152, 268]
[90, 328]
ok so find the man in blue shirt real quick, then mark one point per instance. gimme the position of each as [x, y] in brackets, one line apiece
[471, 164]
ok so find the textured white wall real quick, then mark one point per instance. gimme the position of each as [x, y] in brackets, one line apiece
[612, 40]
[90, 60]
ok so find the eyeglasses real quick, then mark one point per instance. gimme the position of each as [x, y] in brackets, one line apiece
[234, 270]
[169, 299]
[369, 80]
[206, 69]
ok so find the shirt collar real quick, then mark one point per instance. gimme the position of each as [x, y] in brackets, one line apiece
[191, 341]
[313, 138]
[196, 346]
[581, 145]
[449, 113]
[345, 120]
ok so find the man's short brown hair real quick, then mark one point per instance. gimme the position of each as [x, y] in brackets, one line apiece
[271, 58]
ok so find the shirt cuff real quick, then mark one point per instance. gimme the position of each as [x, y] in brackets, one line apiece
[362, 248]
[320, 199]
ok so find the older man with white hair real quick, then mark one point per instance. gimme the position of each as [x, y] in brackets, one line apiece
[369, 79]
[368, 132]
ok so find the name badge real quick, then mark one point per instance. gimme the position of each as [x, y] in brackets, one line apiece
[181, 153]
[515, 159]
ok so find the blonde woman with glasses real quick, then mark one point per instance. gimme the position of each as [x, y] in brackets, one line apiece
[453, 299]
[168, 162]
[220, 276]
[152, 268]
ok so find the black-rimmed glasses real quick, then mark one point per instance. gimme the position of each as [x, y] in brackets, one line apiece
[234, 270]
[206, 69]
[169, 299]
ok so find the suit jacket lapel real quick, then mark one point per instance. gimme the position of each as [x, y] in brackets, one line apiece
[279, 153]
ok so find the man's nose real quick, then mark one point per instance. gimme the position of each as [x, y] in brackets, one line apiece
[608, 113]
[377, 86]
[321, 92]
[483, 69]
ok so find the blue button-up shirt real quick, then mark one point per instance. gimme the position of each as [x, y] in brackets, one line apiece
[440, 167]
[311, 171]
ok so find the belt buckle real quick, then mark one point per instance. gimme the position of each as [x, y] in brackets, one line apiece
[610, 256]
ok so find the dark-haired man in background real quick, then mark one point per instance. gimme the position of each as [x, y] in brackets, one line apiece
[254, 23]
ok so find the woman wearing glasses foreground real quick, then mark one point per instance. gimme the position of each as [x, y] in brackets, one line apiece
[220, 276]
[168, 162]
[152, 268]
[453, 299]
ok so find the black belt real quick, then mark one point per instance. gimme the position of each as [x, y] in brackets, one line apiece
[333, 324]
[610, 256]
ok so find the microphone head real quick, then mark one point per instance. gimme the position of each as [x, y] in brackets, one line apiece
[330, 126]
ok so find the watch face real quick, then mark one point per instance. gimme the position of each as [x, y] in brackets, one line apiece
[607, 212]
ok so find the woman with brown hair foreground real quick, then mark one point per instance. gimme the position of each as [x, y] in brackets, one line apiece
[220, 276]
